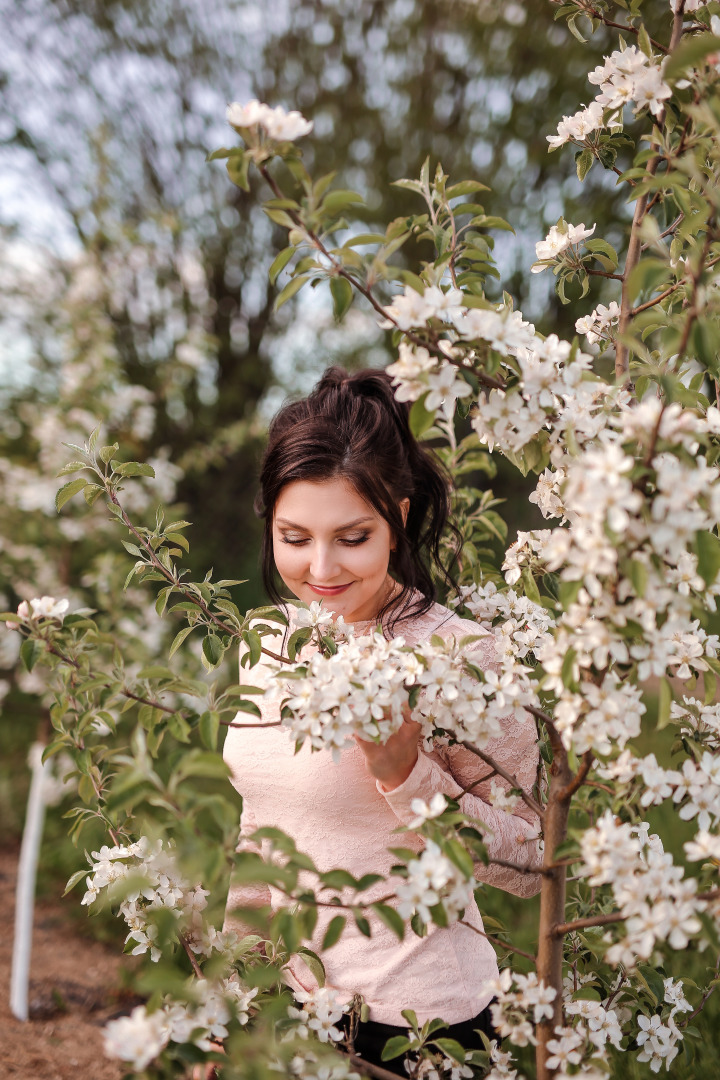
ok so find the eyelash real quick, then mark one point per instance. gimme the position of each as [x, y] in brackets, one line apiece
[349, 543]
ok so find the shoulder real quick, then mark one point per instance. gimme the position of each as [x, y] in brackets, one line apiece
[441, 621]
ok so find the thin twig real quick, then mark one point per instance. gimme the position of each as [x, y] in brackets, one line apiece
[368, 1068]
[364, 290]
[191, 957]
[708, 993]
[512, 780]
[497, 941]
[514, 866]
[590, 10]
[614, 917]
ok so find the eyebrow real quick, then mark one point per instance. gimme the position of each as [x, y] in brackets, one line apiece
[341, 528]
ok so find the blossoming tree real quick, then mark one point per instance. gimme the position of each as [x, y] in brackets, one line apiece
[612, 603]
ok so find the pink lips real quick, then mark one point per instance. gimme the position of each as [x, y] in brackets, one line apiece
[327, 590]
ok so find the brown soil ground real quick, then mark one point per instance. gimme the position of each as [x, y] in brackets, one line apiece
[74, 989]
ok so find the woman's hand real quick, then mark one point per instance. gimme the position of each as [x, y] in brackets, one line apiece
[392, 762]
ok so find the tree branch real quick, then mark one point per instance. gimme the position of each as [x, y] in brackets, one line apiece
[578, 780]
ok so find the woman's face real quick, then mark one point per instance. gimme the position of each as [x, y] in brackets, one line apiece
[330, 545]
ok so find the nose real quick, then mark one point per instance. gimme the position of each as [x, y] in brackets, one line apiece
[324, 566]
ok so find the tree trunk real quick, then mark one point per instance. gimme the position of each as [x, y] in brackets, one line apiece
[552, 903]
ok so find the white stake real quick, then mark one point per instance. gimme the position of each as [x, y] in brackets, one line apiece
[25, 891]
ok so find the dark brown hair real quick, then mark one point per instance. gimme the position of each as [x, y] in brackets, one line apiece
[352, 427]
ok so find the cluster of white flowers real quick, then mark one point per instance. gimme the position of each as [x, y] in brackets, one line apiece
[561, 237]
[524, 625]
[417, 373]
[599, 324]
[659, 1035]
[577, 127]
[433, 879]
[362, 689]
[599, 717]
[700, 719]
[321, 1011]
[142, 1036]
[154, 882]
[626, 76]
[276, 123]
[501, 1065]
[657, 903]
[43, 607]
[519, 1002]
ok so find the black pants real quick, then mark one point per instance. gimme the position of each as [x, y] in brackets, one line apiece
[371, 1038]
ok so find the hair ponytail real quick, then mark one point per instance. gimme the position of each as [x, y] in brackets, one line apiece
[353, 427]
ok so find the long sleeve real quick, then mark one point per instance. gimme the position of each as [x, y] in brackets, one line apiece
[451, 770]
[245, 895]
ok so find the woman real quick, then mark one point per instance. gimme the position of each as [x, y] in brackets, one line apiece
[354, 509]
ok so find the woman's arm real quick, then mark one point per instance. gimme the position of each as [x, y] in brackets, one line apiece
[511, 837]
[455, 772]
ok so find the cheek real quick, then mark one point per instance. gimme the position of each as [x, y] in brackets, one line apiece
[371, 559]
[289, 561]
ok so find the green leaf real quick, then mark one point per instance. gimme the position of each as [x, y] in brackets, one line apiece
[237, 169]
[342, 294]
[584, 161]
[68, 490]
[254, 643]
[465, 187]
[314, 963]
[108, 452]
[399, 1044]
[280, 262]
[644, 41]
[451, 1049]
[179, 638]
[30, 651]
[391, 918]
[92, 492]
[133, 468]
[361, 922]
[77, 876]
[297, 640]
[334, 931]
[335, 201]
[209, 726]
[421, 419]
[665, 699]
[567, 669]
[73, 466]
[338, 879]
[654, 981]
[689, 53]
[213, 650]
[293, 286]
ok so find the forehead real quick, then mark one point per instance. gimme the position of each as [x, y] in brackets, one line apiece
[321, 504]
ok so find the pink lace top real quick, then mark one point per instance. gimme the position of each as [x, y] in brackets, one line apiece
[340, 816]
